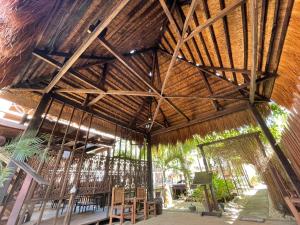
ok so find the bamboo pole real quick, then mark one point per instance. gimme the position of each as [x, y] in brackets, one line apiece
[68, 215]
[13, 218]
[65, 180]
[56, 165]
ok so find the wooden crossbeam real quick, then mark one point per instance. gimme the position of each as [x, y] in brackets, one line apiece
[112, 50]
[212, 20]
[101, 85]
[177, 48]
[94, 35]
[108, 92]
[212, 97]
[121, 58]
[254, 32]
[71, 71]
[237, 87]
[225, 69]
[215, 103]
[202, 119]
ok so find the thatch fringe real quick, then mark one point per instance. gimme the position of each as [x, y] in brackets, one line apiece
[21, 21]
[291, 139]
[228, 122]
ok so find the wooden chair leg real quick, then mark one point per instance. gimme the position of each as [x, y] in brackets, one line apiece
[145, 210]
[293, 209]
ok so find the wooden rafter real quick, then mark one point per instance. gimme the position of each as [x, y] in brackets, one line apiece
[93, 36]
[254, 32]
[213, 35]
[225, 69]
[109, 92]
[212, 20]
[101, 85]
[202, 119]
[236, 86]
[112, 50]
[215, 103]
[228, 42]
[177, 48]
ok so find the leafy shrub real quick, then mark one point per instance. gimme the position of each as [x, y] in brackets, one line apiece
[197, 194]
[220, 187]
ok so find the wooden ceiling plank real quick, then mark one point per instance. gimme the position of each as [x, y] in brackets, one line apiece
[94, 35]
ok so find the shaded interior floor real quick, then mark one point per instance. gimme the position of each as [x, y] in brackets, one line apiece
[184, 218]
[254, 203]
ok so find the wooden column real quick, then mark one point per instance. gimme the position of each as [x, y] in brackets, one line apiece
[213, 194]
[282, 158]
[32, 126]
[149, 168]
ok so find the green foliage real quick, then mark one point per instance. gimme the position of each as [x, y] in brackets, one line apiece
[4, 174]
[197, 194]
[22, 148]
[221, 188]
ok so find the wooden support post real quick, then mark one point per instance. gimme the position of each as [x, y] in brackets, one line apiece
[76, 180]
[222, 171]
[56, 166]
[149, 168]
[232, 178]
[213, 195]
[282, 158]
[246, 176]
[12, 220]
[33, 126]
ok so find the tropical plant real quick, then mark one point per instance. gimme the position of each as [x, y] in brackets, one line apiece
[220, 187]
[197, 194]
[22, 148]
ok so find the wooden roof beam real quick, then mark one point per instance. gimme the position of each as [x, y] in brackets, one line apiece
[94, 35]
[108, 92]
[202, 119]
[215, 103]
[254, 32]
[177, 49]
[212, 20]
[73, 72]
[121, 58]
[225, 69]
[112, 50]
[99, 115]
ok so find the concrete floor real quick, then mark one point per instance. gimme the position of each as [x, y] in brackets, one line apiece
[184, 218]
[252, 204]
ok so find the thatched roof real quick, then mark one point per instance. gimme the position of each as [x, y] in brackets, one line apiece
[207, 89]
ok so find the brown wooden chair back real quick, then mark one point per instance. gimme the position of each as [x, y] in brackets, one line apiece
[117, 195]
[141, 193]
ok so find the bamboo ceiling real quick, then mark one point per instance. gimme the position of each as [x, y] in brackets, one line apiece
[158, 66]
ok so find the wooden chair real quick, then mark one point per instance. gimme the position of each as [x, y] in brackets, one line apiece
[151, 208]
[119, 206]
[141, 200]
